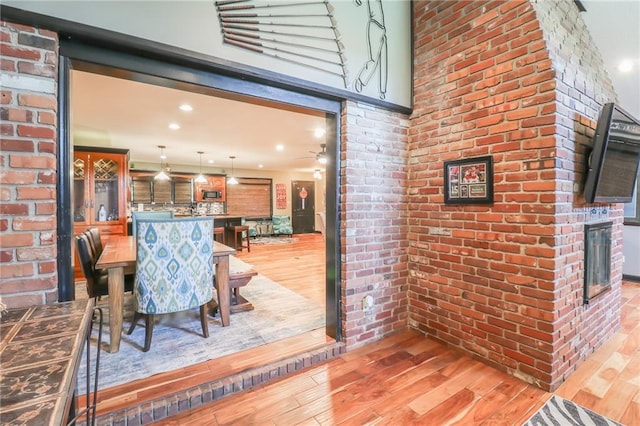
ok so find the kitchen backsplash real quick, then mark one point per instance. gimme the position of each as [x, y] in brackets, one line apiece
[182, 210]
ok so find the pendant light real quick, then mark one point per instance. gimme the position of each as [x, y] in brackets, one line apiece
[201, 178]
[162, 175]
[232, 180]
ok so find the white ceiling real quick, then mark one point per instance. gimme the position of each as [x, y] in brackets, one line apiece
[112, 112]
[615, 28]
[117, 113]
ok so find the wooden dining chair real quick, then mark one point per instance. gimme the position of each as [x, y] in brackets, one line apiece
[174, 269]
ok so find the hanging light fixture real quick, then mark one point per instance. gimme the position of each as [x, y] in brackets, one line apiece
[321, 157]
[201, 178]
[162, 175]
[232, 180]
[317, 174]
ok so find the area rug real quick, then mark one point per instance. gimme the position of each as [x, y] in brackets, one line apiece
[561, 412]
[177, 338]
[273, 240]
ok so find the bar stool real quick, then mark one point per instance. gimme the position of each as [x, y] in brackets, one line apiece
[219, 232]
[238, 230]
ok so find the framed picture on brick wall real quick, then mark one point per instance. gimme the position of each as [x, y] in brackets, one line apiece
[469, 181]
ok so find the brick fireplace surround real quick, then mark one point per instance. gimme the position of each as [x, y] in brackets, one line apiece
[517, 80]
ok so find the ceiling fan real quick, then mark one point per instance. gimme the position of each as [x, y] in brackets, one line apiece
[321, 156]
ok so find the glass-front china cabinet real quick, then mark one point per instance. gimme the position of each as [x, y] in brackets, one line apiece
[100, 191]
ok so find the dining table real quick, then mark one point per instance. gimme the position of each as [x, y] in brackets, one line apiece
[119, 258]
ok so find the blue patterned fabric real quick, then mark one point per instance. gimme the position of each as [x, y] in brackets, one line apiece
[282, 225]
[153, 214]
[174, 264]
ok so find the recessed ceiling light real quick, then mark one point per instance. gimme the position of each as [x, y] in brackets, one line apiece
[186, 107]
[319, 132]
[260, 166]
[174, 126]
[625, 66]
[279, 147]
[210, 161]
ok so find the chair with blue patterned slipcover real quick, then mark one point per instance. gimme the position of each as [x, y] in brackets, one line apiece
[151, 214]
[174, 269]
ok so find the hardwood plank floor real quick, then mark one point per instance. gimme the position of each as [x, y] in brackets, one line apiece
[409, 379]
[299, 266]
[402, 379]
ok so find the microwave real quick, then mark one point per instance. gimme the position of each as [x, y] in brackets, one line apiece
[211, 195]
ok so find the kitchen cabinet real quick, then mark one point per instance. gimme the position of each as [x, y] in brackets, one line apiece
[214, 183]
[162, 190]
[182, 191]
[146, 190]
[140, 189]
[100, 191]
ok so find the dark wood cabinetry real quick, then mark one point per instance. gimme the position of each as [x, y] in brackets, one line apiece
[146, 190]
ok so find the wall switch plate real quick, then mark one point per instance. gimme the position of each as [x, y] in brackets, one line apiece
[367, 303]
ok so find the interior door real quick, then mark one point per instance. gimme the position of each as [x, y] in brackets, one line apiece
[303, 206]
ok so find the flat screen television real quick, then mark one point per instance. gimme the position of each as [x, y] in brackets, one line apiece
[614, 159]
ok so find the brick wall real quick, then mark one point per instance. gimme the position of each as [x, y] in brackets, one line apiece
[28, 273]
[373, 222]
[503, 282]
[582, 87]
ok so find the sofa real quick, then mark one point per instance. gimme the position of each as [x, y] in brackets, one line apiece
[282, 225]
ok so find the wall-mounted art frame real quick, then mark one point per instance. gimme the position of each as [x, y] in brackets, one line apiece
[469, 181]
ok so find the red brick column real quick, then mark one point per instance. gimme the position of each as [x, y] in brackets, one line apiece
[373, 222]
[503, 282]
[28, 273]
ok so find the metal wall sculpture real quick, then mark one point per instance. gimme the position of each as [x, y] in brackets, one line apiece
[302, 33]
[377, 47]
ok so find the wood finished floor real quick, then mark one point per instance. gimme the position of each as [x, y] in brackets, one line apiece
[299, 266]
[408, 379]
[402, 379]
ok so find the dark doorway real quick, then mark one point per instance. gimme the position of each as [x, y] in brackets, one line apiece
[303, 206]
[157, 71]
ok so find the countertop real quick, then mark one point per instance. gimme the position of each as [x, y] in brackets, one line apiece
[40, 349]
[219, 216]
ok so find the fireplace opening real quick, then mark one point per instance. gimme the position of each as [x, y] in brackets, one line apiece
[597, 259]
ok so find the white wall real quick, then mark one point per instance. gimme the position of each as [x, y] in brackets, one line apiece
[631, 250]
[330, 40]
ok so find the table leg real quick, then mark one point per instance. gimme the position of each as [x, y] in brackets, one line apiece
[222, 280]
[116, 301]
